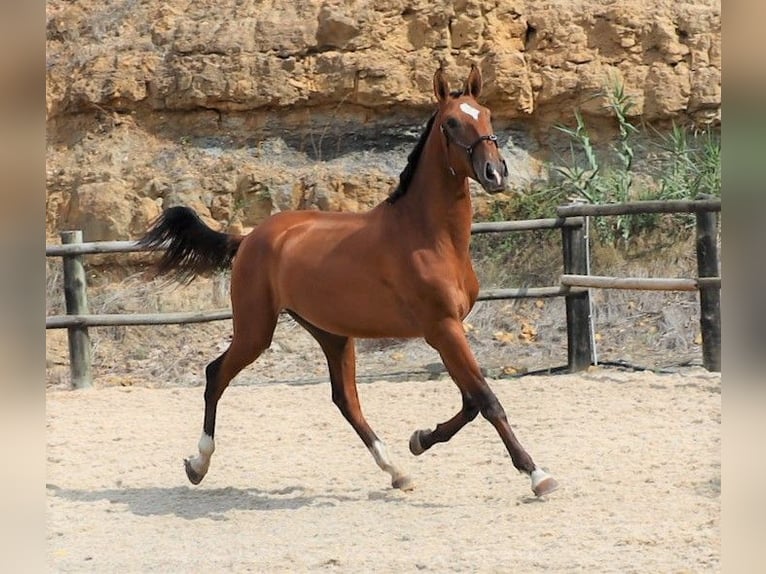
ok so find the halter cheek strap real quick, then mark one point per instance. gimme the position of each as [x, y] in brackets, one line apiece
[469, 148]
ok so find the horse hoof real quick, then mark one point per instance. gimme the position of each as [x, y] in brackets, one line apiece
[193, 476]
[543, 483]
[415, 447]
[403, 482]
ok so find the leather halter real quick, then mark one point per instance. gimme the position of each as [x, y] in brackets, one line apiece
[468, 148]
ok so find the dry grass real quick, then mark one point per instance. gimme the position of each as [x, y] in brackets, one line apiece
[646, 329]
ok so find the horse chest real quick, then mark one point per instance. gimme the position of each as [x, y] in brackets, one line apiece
[467, 295]
[447, 284]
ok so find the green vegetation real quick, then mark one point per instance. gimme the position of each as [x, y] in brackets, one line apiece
[640, 163]
[680, 164]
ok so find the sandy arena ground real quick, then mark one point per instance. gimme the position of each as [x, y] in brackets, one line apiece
[292, 489]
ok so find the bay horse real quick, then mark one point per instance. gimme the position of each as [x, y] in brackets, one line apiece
[400, 270]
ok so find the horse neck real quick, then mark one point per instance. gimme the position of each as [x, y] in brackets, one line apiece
[438, 203]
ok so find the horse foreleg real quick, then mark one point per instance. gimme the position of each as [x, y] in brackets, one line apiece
[449, 340]
[341, 362]
[423, 439]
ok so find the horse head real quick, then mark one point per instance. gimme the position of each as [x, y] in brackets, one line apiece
[469, 141]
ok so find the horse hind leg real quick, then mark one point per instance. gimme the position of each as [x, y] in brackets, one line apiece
[197, 466]
[242, 351]
[341, 362]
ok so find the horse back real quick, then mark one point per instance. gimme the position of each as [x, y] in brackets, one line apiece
[350, 274]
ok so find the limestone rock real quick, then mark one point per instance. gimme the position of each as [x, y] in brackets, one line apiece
[274, 54]
[164, 103]
[105, 211]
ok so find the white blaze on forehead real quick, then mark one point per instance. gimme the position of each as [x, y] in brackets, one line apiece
[470, 110]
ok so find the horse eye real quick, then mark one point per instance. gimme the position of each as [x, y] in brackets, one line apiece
[452, 123]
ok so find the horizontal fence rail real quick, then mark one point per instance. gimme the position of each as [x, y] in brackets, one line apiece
[112, 320]
[94, 247]
[640, 283]
[574, 283]
[117, 320]
[569, 216]
[526, 225]
[640, 207]
[101, 247]
[527, 292]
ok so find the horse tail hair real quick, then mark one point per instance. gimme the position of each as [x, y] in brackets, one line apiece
[191, 247]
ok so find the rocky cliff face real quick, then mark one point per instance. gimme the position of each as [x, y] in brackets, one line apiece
[242, 108]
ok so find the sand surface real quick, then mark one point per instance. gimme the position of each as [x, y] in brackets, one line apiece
[292, 489]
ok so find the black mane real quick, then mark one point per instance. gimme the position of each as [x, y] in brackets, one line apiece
[405, 178]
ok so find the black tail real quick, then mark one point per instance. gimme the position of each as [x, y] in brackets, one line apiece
[191, 247]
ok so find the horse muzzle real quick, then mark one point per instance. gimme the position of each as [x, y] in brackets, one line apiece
[492, 175]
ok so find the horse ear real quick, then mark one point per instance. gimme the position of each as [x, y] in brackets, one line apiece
[441, 87]
[473, 83]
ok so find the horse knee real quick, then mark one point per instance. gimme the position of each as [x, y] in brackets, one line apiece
[490, 408]
[470, 408]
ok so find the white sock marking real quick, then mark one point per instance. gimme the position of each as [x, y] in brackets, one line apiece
[380, 454]
[201, 462]
[206, 445]
[537, 476]
[398, 479]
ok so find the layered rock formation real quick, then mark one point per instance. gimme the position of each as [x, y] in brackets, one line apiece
[242, 108]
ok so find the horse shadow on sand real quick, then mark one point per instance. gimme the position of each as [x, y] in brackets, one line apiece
[214, 503]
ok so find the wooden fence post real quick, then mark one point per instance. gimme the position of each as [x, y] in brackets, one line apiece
[76, 300]
[710, 297]
[579, 350]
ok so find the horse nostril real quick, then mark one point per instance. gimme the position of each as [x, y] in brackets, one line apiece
[491, 174]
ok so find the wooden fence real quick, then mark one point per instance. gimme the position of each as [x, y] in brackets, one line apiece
[574, 284]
